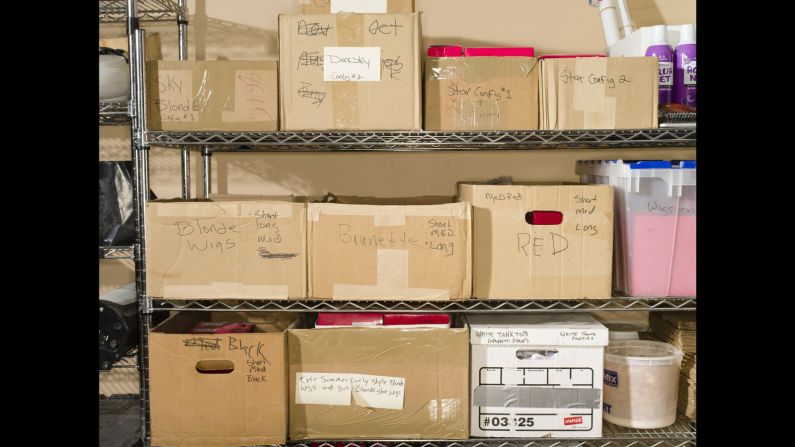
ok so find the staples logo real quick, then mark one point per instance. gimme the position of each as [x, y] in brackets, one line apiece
[611, 378]
[572, 420]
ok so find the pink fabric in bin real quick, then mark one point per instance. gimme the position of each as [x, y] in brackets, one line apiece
[656, 266]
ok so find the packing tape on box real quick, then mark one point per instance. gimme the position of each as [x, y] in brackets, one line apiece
[478, 69]
[215, 289]
[251, 93]
[324, 6]
[223, 209]
[392, 280]
[536, 397]
[345, 94]
[388, 214]
[444, 409]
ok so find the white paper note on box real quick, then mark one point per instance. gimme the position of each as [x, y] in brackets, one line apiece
[358, 64]
[378, 391]
[359, 6]
[322, 388]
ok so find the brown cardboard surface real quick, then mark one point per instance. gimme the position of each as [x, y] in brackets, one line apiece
[515, 260]
[247, 406]
[324, 6]
[310, 103]
[408, 252]
[434, 363]
[212, 95]
[481, 93]
[263, 256]
[151, 45]
[599, 93]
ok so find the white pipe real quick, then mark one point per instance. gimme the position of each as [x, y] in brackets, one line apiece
[626, 20]
[609, 13]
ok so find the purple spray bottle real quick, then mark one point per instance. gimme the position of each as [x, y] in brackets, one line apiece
[685, 67]
[665, 54]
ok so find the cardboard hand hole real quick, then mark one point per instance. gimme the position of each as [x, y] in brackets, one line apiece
[543, 217]
[215, 366]
[536, 354]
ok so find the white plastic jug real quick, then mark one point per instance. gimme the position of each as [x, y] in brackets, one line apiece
[114, 76]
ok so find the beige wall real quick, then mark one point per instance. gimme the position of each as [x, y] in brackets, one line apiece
[247, 29]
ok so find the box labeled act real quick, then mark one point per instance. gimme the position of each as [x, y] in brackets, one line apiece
[360, 6]
[349, 72]
[599, 93]
[213, 95]
[237, 249]
[537, 376]
[379, 383]
[399, 252]
[481, 93]
[218, 389]
[541, 241]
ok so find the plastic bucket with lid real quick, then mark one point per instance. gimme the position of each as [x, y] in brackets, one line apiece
[641, 383]
[620, 330]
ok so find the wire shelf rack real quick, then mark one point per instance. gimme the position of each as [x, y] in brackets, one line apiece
[423, 140]
[115, 11]
[116, 252]
[485, 306]
[682, 433]
[113, 113]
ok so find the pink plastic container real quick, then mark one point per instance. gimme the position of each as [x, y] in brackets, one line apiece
[445, 51]
[655, 231]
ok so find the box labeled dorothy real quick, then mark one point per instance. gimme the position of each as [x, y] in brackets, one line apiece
[536, 376]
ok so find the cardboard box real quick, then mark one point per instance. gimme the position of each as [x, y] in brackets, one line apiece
[238, 249]
[537, 376]
[212, 95]
[377, 53]
[386, 383]
[481, 93]
[599, 93]
[400, 252]
[361, 6]
[567, 258]
[190, 405]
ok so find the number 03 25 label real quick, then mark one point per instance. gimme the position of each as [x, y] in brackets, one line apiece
[518, 422]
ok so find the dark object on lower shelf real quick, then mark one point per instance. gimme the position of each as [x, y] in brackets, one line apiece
[120, 423]
[118, 325]
[116, 206]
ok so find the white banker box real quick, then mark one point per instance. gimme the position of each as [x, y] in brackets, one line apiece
[537, 376]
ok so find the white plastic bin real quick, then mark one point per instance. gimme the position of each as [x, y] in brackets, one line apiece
[641, 383]
[655, 232]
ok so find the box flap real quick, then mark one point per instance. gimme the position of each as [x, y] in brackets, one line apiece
[565, 329]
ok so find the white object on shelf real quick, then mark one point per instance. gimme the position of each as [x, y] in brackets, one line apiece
[626, 21]
[610, 21]
[641, 383]
[637, 42]
[536, 376]
[114, 78]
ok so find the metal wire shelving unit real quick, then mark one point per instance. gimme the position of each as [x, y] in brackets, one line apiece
[474, 305]
[113, 114]
[115, 11]
[116, 252]
[132, 12]
[423, 140]
[681, 433]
